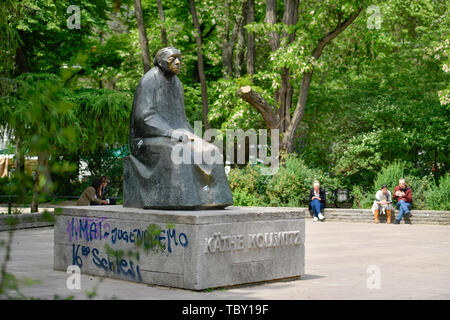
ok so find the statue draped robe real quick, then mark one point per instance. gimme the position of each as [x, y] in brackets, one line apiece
[151, 178]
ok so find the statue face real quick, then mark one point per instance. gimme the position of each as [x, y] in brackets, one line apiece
[168, 60]
[174, 63]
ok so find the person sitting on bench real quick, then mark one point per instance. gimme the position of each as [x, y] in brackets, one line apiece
[403, 196]
[317, 198]
[89, 196]
[382, 204]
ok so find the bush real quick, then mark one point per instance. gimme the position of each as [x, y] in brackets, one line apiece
[248, 186]
[389, 175]
[420, 186]
[437, 197]
[19, 186]
[358, 159]
[362, 199]
[288, 187]
[244, 198]
[291, 184]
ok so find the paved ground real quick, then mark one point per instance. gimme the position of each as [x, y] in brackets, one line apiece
[413, 260]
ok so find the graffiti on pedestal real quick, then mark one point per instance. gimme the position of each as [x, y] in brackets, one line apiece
[86, 234]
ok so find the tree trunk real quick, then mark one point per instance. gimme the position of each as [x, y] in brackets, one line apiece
[250, 38]
[163, 19]
[35, 200]
[290, 127]
[289, 136]
[201, 70]
[43, 169]
[21, 59]
[289, 133]
[142, 35]
[240, 49]
[286, 91]
[271, 18]
[19, 157]
[290, 17]
[228, 43]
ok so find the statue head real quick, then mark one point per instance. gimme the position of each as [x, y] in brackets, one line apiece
[168, 60]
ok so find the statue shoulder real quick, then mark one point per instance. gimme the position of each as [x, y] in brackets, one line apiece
[178, 83]
[149, 77]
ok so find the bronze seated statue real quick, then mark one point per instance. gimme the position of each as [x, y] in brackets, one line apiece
[158, 124]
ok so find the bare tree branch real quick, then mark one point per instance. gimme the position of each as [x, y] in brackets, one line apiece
[257, 101]
[334, 33]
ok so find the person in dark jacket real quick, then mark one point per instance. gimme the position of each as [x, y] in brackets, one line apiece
[101, 192]
[317, 200]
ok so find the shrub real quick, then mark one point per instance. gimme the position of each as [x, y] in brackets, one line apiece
[19, 186]
[437, 197]
[288, 187]
[244, 198]
[291, 185]
[248, 186]
[362, 199]
[420, 186]
[389, 175]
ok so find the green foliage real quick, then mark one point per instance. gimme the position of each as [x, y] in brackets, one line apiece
[11, 37]
[438, 196]
[48, 43]
[97, 110]
[248, 186]
[19, 187]
[389, 175]
[419, 187]
[291, 184]
[227, 110]
[359, 158]
[376, 99]
[37, 107]
[288, 187]
[150, 241]
[244, 198]
[361, 199]
[193, 103]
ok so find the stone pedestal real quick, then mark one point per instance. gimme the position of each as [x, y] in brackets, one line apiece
[201, 249]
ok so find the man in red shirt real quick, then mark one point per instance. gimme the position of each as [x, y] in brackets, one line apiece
[403, 196]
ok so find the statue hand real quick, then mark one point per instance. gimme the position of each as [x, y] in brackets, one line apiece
[182, 136]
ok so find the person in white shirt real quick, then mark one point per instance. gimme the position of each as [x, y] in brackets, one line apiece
[382, 204]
